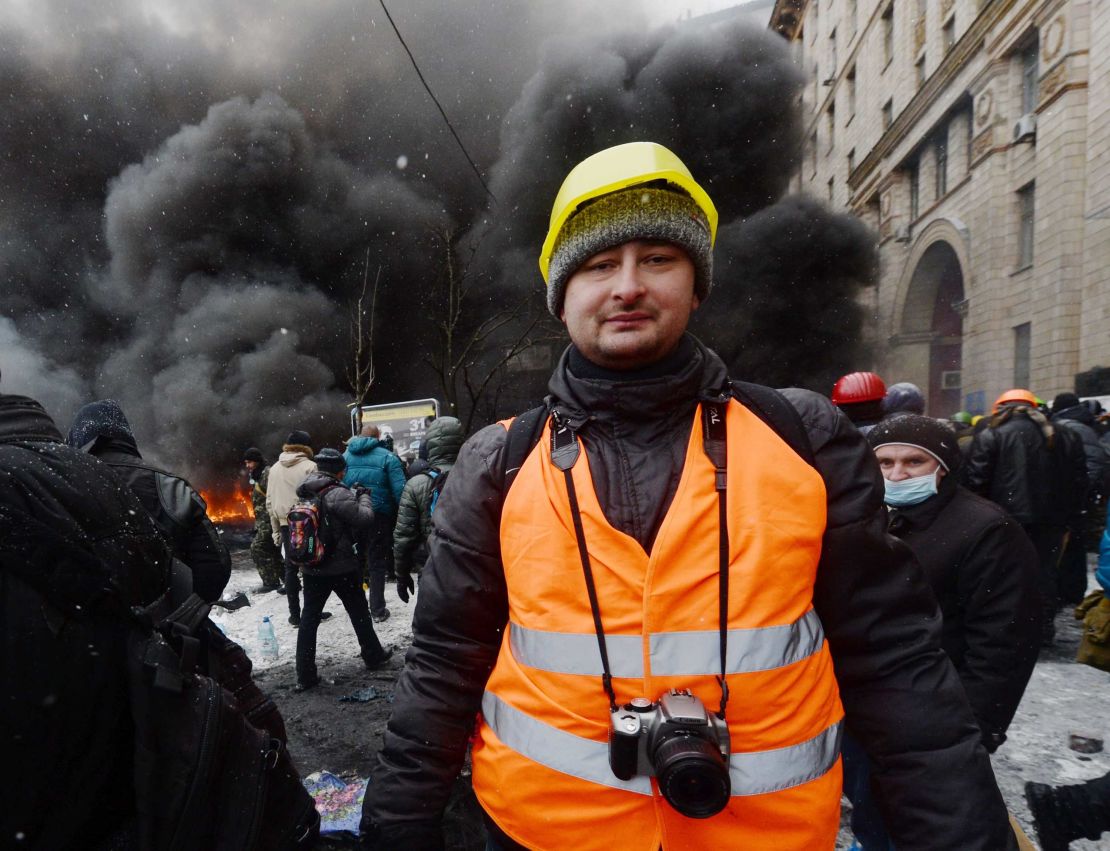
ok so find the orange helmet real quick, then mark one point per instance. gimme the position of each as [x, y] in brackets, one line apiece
[858, 387]
[1015, 395]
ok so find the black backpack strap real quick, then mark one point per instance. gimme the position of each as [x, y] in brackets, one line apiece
[524, 434]
[776, 411]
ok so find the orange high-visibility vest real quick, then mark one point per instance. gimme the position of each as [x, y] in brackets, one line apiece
[540, 758]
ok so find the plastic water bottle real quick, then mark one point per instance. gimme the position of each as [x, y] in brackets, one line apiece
[267, 640]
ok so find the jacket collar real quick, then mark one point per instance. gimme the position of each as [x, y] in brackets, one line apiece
[581, 390]
[22, 418]
[913, 518]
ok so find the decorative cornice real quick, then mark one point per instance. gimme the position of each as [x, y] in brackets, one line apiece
[963, 51]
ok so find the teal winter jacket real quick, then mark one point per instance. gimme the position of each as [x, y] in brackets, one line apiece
[373, 466]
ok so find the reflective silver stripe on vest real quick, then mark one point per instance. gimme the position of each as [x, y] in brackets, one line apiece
[557, 749]
[754, 773]
[672, 653]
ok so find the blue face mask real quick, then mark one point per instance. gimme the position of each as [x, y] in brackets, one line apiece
[911, 491]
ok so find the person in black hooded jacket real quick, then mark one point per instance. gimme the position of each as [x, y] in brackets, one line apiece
[1069, 413]
[982, 569]
[347, 514]
[102, 430]
[68, 735]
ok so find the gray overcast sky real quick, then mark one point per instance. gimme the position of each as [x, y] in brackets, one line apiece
[666, 11]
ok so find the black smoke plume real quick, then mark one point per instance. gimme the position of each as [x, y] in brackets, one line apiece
[191, 198]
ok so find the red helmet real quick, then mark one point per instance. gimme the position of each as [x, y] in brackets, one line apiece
[1016, 395]
[858, 387]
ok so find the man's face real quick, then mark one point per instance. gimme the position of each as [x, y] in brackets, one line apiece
[627, 307]
[251, 466]
[899, 463]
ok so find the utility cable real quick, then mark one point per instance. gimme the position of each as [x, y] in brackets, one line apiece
[431, 94]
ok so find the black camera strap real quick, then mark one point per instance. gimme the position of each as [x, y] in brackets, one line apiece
[715, 443]
[564, 454]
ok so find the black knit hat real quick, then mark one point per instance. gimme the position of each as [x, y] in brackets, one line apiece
[1063, 401]
[330, 460]
[299, 438]
[254, 454]
[933, 436]
[641, 212]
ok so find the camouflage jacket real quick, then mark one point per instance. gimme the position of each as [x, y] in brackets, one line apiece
[258, 500]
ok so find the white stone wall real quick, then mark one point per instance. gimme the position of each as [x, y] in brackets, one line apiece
[1065, 293]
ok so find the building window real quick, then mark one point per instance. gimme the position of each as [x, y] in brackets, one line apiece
[888, 33]
[852, 17]
[919, 71]
[941, 148]
[888, 114]
[949, 33]
[1030, 70]
[1026, 205]
[830, 119]
[832, 54]
[850, 90]
[915, 191]
[813, 153]
[851, 161]
[1023, 345]
[830, 190]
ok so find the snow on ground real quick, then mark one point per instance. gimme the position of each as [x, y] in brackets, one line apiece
[335, 639]
[1063, 697]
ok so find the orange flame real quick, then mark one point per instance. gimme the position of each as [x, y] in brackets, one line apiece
[228, 506]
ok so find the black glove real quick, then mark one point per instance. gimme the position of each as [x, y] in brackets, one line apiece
[405, 585]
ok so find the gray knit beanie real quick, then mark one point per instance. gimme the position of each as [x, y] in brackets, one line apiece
[640, 212]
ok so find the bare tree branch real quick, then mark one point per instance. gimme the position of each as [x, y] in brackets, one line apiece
[360, 369]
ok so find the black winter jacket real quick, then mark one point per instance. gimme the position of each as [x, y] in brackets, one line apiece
[70, 523]
[983, 570]
[1012, 465]
[902, 697]
[1080, 420]
[178, 511]
[348, 516]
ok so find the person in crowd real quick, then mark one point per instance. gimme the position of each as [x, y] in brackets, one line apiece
[67, 723]
[347, 514]
[984, 573]
[420, 463]
[1062, 814]
[1069, 412]
[903, 398]
[266, 555]
[101, 429]
[860, 396]
[1037, 473]
[293, 466]
[604, 531]
[373, 466]
[414, 516]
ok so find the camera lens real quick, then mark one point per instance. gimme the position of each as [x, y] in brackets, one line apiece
[693, 776]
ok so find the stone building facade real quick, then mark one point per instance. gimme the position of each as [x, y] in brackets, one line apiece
[974, 136]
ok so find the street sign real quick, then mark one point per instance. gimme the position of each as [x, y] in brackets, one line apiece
[405, 422]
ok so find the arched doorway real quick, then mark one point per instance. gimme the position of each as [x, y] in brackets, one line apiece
[933, 315]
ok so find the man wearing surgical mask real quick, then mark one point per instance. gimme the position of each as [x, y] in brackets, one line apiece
[983, 571]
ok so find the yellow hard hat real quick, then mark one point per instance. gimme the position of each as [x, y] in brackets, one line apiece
[617, 168]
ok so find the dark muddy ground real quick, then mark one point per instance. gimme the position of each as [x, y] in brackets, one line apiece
[344, 738]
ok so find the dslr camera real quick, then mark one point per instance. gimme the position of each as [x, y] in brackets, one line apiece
[679, 743]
